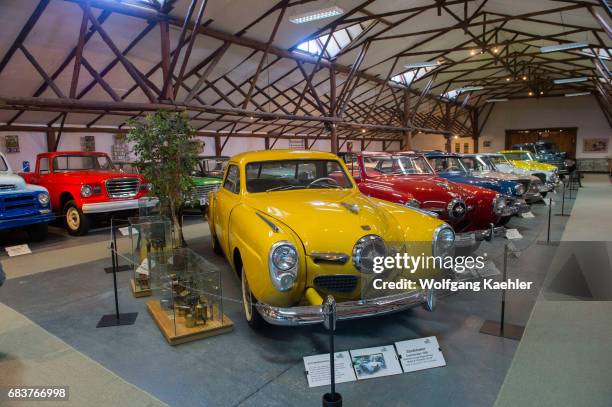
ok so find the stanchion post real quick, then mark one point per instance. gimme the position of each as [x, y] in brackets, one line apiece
[549, 219]
[117, 318]
[502, 318]
[563, 199]
[331, 399]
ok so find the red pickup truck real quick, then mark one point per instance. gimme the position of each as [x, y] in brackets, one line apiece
[85, 184]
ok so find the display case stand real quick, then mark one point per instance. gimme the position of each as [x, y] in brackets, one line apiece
[176, 332]
[139, 292]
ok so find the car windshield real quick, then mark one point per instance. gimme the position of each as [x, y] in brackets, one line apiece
[497, 159]
[3, 165]
[545, 147]
[395, 165]
[211, 166]
[519, 156]
[477, 163]
[447, 164]
[281, 175]
[82, 162]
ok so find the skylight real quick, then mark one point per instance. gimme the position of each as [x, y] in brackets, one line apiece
[340, 40]
[148, 4]
[452, 94]
[600, 51]
[406, 78]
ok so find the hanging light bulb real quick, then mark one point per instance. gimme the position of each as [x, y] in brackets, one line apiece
[524, 77]
[530, 93]
[472, 52]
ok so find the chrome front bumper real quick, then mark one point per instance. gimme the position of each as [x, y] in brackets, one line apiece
[313, 314]
[467, 239]
[531, 197]
[515, 207]
[115, 206]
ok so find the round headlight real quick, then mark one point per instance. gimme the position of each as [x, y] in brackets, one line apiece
[413, 203]
[499, 203]
[519, 189]
[86, 191]
[43, 199]
[283, 265]
[365, 250]
[284, 257]
[443, 241]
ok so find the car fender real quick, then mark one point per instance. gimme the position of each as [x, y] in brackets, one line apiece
[252, 234]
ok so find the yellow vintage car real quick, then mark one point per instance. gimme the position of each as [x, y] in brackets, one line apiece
[524, 163]
[295, 228]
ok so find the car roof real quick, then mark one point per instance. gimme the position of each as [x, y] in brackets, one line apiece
[440, 154]
[511, 151]
[56, 153]
[271, 155]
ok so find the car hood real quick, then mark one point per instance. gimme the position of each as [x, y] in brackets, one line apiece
[200, 181]
[327, 218]
[427, 189]
[498, 175]
[83, 177]
[532, 165]
[12, 179]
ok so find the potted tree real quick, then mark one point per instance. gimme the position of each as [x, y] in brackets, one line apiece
[164, 144]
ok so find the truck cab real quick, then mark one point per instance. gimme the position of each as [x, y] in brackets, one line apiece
[22, 205]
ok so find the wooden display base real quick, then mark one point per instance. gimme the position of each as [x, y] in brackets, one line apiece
[182, 333]
[139, 292]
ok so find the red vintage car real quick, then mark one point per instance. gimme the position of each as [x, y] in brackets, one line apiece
[469, 209]
[84, 184]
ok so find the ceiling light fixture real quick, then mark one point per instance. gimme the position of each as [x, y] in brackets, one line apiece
[495, 50]
[507, 79]
[570, 80]
[316, 15]
[569, 95]
[423, 64]
[524, 77]
[495, 100]
[563, 47]
[541, 92]
[472, 52]
[530, 93]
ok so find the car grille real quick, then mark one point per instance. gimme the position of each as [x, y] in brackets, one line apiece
[342, 283]
[7, 187]
[122, 187]
[203, 190]
[18, 205]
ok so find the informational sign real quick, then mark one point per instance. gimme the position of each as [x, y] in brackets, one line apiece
[375, 362]
[318, 372]
[18, 250]
[527, 215]
[419, 354]
[513, 234]
[25, 166]
[359, 364]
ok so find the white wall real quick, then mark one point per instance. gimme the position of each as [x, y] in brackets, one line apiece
[425, 141]
[582, 112]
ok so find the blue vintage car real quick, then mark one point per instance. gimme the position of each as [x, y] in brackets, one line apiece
[450, 166]
[23, 206]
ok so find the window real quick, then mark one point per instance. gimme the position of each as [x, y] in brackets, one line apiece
[43, 166]
[84, 162]
[232, 180]
[340, 39]
[3, 165]
[279, 175]
[447, 164]
[377, 166]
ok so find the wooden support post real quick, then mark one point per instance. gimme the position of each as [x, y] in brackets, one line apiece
[475, 133]
[50, 141]
[332, 109]
[362, 146]
[218, 147]
[448, 144]
[164, 34]
[406, 134]
[267, 143]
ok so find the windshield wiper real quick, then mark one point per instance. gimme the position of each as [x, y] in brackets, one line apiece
[284, 187]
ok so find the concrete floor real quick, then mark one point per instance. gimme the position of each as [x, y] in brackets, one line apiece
[265, 369]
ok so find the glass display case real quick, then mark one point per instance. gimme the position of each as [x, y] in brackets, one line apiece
[187, 302]
[151, 238]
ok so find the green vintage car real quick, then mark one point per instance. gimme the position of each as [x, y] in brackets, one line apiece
[207, 177]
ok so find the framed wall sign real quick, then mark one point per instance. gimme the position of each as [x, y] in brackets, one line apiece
[595, 145]
[11, 143]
